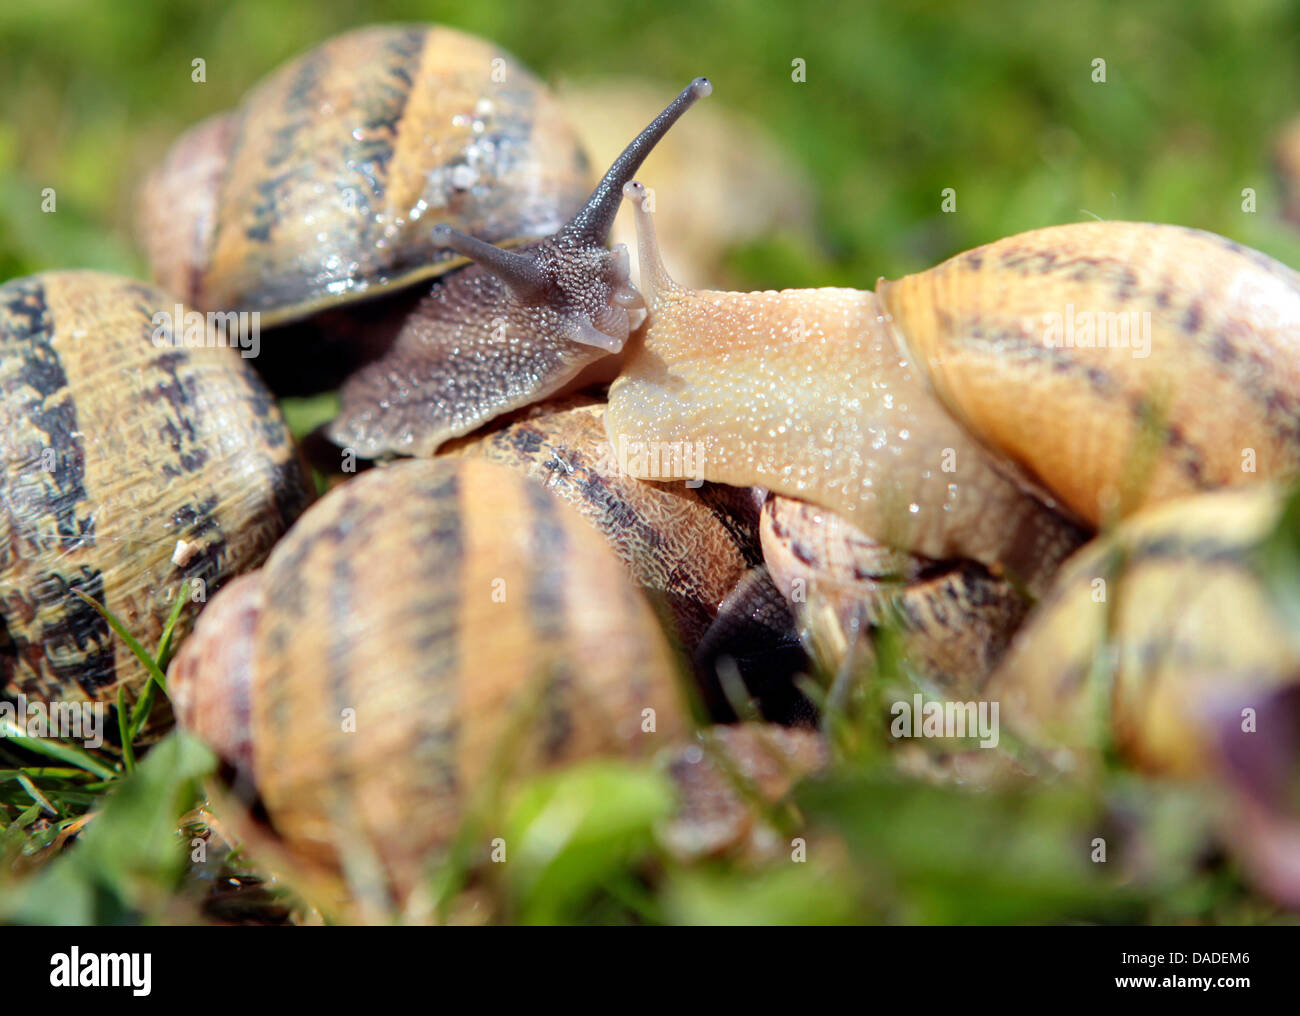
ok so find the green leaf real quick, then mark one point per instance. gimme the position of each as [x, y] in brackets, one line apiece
[128, 861]
[569, 832]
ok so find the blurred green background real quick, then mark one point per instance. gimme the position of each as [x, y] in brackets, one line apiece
[900, 101]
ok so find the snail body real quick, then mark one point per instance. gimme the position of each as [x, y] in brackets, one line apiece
[942, 416]
[470, 624]
[378, 161]
[130, 466]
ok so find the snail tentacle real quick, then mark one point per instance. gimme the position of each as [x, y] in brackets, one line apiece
[518, 272]
[655, 280]
[592, 223]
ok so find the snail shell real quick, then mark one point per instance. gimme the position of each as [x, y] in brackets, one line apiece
[325, 183]
[1172, 613]
[953, 619]
[128, 467]
[692, 549]
[1213, 377]
[470, 625]
[720, 774]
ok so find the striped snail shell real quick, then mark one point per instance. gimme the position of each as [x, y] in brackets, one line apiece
[424, 630]
[325, 183]
[928, 412]
[953, 619]
[1152, 634]
[382, 159]
[129, 465]
[693, 549]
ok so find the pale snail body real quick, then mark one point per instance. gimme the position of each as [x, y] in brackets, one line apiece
[1156, 637]
[937, 417]
[129, 467]
[693, 550]
[376, 162]
[477, 627]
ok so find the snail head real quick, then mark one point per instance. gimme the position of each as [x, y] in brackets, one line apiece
[589, 287]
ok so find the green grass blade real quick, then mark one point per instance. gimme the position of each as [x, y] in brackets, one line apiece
[123, 728]
[140, 652]
[36, 795]
[164, 653]
[60, 750]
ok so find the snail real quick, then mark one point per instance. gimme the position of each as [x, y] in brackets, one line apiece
[362, 168]
[423, 631]
[692, 549]
[964, 411]
[953, 619]
[1155, 634]
[132, 461]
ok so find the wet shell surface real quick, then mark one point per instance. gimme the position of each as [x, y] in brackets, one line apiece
[1152, 632]
[426, 629]
[128, 467]
[325, 184]
[1066, 348]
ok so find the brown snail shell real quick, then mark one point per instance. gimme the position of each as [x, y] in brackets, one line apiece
[829, 395]
[953, 619]
[1221, 329]
[1152, 631]
[475, 627]
[692, 548]
[324, 185]
[128, 467]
